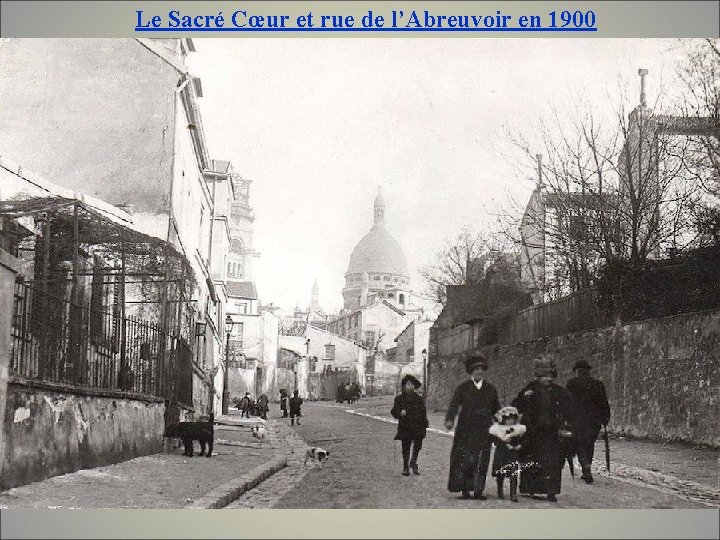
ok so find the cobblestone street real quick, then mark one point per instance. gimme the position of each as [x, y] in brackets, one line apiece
[364, 472]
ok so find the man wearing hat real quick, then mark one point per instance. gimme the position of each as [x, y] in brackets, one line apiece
[477, 401]
[591, 410]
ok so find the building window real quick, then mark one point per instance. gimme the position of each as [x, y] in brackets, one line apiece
[386, 278]
[391, 295]
[401, 298]
[376, 278]
[395, 280]
[242, 308]
[329, 351]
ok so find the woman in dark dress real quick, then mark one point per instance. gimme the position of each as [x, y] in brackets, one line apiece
[409, 409]
[284, 402]
[478, 402]
[546, 412]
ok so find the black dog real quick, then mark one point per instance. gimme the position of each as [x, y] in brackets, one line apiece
[188, 432]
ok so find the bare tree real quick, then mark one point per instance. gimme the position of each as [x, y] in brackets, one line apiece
[373, 340]
[699, 103]
[462, 260]
[625, 190]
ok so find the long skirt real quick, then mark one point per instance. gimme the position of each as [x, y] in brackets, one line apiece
[503, 461]
[469, 461]
[545, 449]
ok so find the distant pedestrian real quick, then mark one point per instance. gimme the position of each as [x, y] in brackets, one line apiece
[591, 411]
[295, 403]
[409, 409]
[478, 402]
[246, 405]
[546, 409]
[262, 406]
[284, 403]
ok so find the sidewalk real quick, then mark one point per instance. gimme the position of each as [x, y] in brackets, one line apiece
[168, 480]
[672, 466]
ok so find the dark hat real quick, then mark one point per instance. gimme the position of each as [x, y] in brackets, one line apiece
[581, 364]
[413, 380]
[543, 367]
[473, 360]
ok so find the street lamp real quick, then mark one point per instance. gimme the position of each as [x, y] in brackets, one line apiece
[425, 372]
[226, 388]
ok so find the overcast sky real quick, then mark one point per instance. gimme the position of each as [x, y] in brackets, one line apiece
[319, 124]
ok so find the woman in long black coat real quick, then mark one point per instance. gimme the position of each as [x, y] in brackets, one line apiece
[470, 455]
[409, 409]
[546, 412]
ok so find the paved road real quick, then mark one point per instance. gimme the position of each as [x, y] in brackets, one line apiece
[364, 472]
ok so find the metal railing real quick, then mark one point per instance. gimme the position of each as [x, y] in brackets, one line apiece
[57, 341]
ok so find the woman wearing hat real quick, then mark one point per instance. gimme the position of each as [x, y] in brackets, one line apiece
[545, 408]
[477, 401]
[591, 410]
[409, 409]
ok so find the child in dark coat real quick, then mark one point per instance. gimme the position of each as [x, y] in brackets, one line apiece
[409, 409]
[295, 402]
[246, 405]
[507, 436]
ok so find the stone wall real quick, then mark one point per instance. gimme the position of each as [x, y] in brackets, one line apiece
[50, 432]
[662, 375]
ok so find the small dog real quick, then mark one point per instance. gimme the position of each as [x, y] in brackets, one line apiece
[189, 432]
[259, 432]
[316, 454]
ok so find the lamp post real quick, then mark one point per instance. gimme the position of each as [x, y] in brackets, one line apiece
[226, 388]
[425, 373]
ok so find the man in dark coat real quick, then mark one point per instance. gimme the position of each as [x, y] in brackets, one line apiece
[591, 410]
[409, 409]
[546, 411]
[470, 455]
[295, 403]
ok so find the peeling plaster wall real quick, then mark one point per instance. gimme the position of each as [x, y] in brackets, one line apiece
[51, 433]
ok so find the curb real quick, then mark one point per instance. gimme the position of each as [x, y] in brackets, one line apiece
[226, 493]
[446, 433]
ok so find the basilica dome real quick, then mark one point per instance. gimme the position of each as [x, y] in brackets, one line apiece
[378, 252]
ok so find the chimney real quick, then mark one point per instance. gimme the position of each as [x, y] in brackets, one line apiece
[643, 73]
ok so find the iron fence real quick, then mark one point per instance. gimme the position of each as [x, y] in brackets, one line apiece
[56, 340]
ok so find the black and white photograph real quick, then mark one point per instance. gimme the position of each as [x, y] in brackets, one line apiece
[359, 273]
